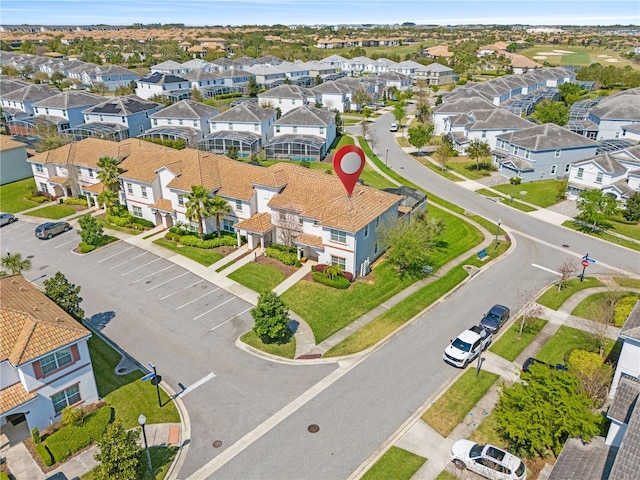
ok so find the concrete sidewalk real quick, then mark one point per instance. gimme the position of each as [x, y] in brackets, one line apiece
[24, 467]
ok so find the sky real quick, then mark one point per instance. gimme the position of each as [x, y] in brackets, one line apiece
[310, 12]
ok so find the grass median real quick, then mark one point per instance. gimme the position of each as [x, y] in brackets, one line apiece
[512, 342]
[201, 255]
[553, 299]
[396, 463]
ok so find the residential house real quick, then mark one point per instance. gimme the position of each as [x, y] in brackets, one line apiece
[116, 118]
[197, 64]
[222, 64]
[13, 160]
[19, 103]
[397, 80]
[631, 131]
[184, 120]
[164, 84]
[333, 96]
[45, 363]
[408, 67]
[613, 113]
[242, 63]
[236, 79]
[455, 108]
[438, 51]
[170, 67]
[286, 97]
[334, 61]
[266, 75]
[540, 152]
[296, 73]
[434, 74]
[246, 126]
[602, 172]
[110, 76]
[304, 133]
[201, 79]
[318, 69]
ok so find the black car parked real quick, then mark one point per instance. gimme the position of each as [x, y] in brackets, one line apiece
[495, 318]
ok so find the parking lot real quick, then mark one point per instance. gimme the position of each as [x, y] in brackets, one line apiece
[187, 326]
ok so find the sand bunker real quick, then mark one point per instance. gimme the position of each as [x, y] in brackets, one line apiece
[548, 53]
[539, 57]
[612, 60]
[604, 56]
[563, 52]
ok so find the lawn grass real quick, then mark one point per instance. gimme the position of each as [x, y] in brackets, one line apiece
[487, 433]
[603, 235]
[451, 408]
[554, 299]
[13, 196]
[567, 339]
[579, 56]
[511, 343]
[543, 193]
[631, 231]
[589, 307]
[105, 360]
[287, 350]
[139, 397]
[446, 173]
[54, 212]
[444, 475]
[396, 463]
[627, 282]
[328, 310]
[201, 255]
[492, 227]
[344, 140]
[161, 460]
[259, 277]
[510, 203]
[468, 169]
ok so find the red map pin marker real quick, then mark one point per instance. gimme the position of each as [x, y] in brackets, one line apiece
[348, 163]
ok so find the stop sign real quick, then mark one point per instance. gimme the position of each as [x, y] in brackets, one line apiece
[585, 263]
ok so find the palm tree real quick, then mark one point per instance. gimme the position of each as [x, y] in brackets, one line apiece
[108, 173]
[198, 206]
[15, 263]
[219, 208]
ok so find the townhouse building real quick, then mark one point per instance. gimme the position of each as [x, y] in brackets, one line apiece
[13, 160]
[286, 98]
[613, 113]
[18, 103]
[110, 76]
[163, 84]
[184, 120]
[170, 67]
[333, 96]
[45, 364]
[434, 74]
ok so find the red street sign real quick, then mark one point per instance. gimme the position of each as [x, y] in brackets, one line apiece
[585, 263]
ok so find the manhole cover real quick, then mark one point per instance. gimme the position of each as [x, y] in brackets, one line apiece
[122, 370]
[217, 444]
[313, 428]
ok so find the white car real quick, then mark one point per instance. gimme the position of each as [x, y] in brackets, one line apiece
[467, 346]
[7, 219]
[393, 127]
[486, 460]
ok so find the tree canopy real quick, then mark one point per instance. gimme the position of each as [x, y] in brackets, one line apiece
[477, 150]
[271, 317]
[119, 454]
[551, 112]
[420, 136]
[65, 294]
[198, 206]
[15, 263]
[595, 207]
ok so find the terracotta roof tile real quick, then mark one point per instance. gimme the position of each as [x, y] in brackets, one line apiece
[258, 223]
[59, 180]
[14, 396]
[310, 240]
[95, 188]
[31, 325]
[163, 204]
[7, 143]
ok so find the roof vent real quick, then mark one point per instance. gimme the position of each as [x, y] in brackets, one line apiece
[58, 319]
[21, 289]
[36, 309]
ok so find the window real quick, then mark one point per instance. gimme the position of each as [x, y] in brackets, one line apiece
[238, 205]
[155, 122]
[129, 189]
[484, 134]
[227, 225]
[277, 128]
[180, 122]
[617, 134]
[295, 129]
[321, 130]
[366, 231]
[556, 153]
[527, 154]
[195, 123]
[580, 172]
[338, 236]
[256, 127]
[137, 212]
[39, 168]
[144, 191]
[141, 128]
[599, 177]
[231, 126]
[375, 248]
[377, 222]
[180, 200]
[123, 120]
[91, 173]
[554, 168]
[56, 360]
[67, 397]
[338, 261]
[43, 187]
[101, 118]
[567, 167]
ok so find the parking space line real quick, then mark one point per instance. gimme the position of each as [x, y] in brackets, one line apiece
[141, 266]
[154, 273]
[217, 306]
[111, 256]
[208, 293]
[195, 385]
[122, 263]
[19, 235]
[170, 280]
[63, 244]
[167, 296]
[229, 319]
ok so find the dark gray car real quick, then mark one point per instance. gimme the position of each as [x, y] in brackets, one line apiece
[51, 229]
[495, 318]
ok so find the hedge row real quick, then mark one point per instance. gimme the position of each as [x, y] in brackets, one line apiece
[129, 221]
[284, 257]
[191, 241]
[45, 454]
[86, 248]
[72, 438]
[622, 310]
[341, 282]
[75, 201]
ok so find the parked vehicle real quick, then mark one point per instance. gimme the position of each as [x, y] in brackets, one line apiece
[51, 229]
[467, 346]
[393, 127]
[495, 318]
[530, 361]
[486, 460]
[7, 219]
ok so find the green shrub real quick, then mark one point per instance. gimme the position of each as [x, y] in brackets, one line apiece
[39, 199]
[623, 309]
[286, 258]
[340, 282]
[73, 438]
[35, 435]
[45, 454]
[75, 201]
[86, 248]
[142, 221]
[191, 241]
[117, 220]
[4, 476]
[172, 236]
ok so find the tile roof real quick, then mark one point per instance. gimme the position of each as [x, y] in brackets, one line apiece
[8, 143]
[58, 179]
[625, 466]
[163, 204]
[547, 137]
[186, 109]
[31, 325]
[14, 396]
[310, 240]
[258, 223]
[306, 116]
[245, 113]
[86, 152]
[625, 400]
[584, 461]
[631, 327]
[94, 188]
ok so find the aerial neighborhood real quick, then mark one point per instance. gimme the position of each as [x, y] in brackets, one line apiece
[285, 242]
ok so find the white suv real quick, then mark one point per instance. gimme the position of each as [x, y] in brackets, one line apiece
[393, 127]
[489, 461]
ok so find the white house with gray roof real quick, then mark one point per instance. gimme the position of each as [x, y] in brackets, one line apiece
[266, 75]
[197, 64]
[395, 79]
[19, 103]
[67, 106]
[162, 84]
[186, 120]
[333, 96]
[286, 97]
[434, 74]
[305, 133]
[200, 79]
[612, 113]
[111, 76]
[540, 152]
[169, 67]
[317, 68]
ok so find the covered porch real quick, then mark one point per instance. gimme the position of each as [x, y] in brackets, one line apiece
[164, 213]
[258, 229]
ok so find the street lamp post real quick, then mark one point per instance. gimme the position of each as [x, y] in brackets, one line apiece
[498, 231]
[142, 420]
[386, 157]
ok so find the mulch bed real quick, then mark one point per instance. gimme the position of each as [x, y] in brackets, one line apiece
[286, 269]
